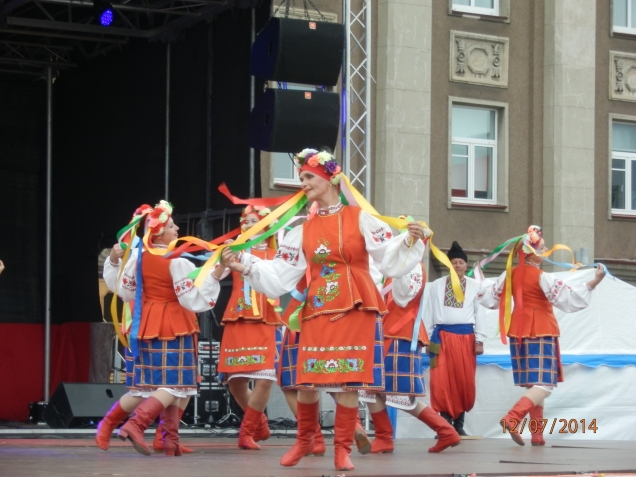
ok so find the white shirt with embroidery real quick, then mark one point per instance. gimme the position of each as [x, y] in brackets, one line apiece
[190, 297]
[444, 310]
[390, 253]
[567, 298]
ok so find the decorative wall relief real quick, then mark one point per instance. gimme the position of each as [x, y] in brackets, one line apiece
[622, 70]
[479, 59]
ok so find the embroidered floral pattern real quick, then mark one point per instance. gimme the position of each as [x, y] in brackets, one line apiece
[288, 254]
[321, 254]
[332, 209]
[128, 283]
[335, 348]
[245, 360]
[183, 286]
[322, 366]
[449, 296]
[381, 235]
[555, 290]
[415, 281]
[241, 305]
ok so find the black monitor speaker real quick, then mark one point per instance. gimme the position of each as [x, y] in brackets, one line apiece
[81, 404]
[298, 51]
[286, 120]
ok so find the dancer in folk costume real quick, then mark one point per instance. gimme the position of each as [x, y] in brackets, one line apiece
[404, 337]
[534, 331]
[248, 348]
[457, 337]
[340, 346]
[163, 332]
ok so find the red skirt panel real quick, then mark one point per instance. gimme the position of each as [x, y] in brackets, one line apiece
[452, 380]
[247, 347]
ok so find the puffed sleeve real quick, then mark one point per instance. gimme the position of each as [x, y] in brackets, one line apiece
[193, 298]
[406, 287]
[480, 318]
[128, 284]
[490, 292]
[280, 275]
[393, 254]
[567, 298]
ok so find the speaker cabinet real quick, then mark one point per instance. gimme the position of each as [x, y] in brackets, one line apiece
[286, 120]
[81, 404]
[298, 51]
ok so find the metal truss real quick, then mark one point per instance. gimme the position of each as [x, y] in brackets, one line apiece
[36, 34]
[356, 94]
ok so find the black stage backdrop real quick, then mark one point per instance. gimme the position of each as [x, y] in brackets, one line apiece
[108, 157]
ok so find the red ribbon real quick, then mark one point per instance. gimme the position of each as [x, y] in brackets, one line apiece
[265, 202]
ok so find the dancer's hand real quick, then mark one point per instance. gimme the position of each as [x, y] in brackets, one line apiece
[228, 259]
[418, 231]
[1, 266]
[116, 253]
[479, 348]
[599, 274]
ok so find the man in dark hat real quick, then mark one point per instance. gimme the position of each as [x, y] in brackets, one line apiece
[456, 336]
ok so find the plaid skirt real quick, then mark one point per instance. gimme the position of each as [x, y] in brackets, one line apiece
[130, 370]
[536, 361]
[289, 360]
[403, 372]
[166, 364]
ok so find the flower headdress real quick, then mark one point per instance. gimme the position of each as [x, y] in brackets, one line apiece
[532, 239]
[254, 209]
[158, 217]
[310, 159]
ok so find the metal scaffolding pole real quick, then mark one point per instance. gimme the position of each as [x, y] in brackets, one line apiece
[252, 85]
[49, 171]
[167, 155]
[356, 94]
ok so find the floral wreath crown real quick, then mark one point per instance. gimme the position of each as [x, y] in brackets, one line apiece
[158, 217]
[313, 158]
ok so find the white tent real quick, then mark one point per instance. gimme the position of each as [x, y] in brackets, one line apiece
[598, 350]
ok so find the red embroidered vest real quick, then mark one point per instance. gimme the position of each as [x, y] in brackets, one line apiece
[338, 265]
[161, 315]
[237, 307]
[537, 315]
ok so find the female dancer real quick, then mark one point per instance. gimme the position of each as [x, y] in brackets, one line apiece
[403, 368]
[340, 347]
[534, 331]
[163, 333]
[248, 347]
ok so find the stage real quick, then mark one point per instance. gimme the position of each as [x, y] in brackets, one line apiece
[73, 453]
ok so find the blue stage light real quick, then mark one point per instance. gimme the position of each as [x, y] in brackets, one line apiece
[106, 18]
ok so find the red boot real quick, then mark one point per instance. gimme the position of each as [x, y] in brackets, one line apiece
[170, 421]
[536, 413]
[106, 426]
[133, 430]
[515, 417]
[447, 435]
[383, 441]
[344, 428]
[319, 443]
[307, 424]
[262, 432]
[157, 443]
[251, 421]
[362, 440]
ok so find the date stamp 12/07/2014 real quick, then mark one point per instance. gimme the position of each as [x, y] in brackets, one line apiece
[566, 426]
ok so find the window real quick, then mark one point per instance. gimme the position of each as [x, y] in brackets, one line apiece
[624, 168]
[483, 7]
[624, 13]
[474, 155]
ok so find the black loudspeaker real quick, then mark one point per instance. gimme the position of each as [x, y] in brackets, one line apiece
[287, 120]
[81, 404]
[298, 51]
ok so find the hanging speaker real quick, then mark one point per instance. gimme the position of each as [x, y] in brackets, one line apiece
[81, 404]
[286, 120]
[298, 51]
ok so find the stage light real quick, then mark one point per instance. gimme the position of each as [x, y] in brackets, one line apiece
[104, 12]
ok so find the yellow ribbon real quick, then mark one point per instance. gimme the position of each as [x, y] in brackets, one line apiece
[401, 224]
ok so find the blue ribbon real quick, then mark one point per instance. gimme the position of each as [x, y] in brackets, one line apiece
[418, 323]
[296, 295]
[136, 319]
[246, 288]
[570, 265]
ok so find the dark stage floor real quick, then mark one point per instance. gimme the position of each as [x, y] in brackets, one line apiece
[59, 454]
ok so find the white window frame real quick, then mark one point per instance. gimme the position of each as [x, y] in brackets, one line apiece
[294, 181]
[630, 163]
[477, 10]
[472, 143]
[629, 29]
